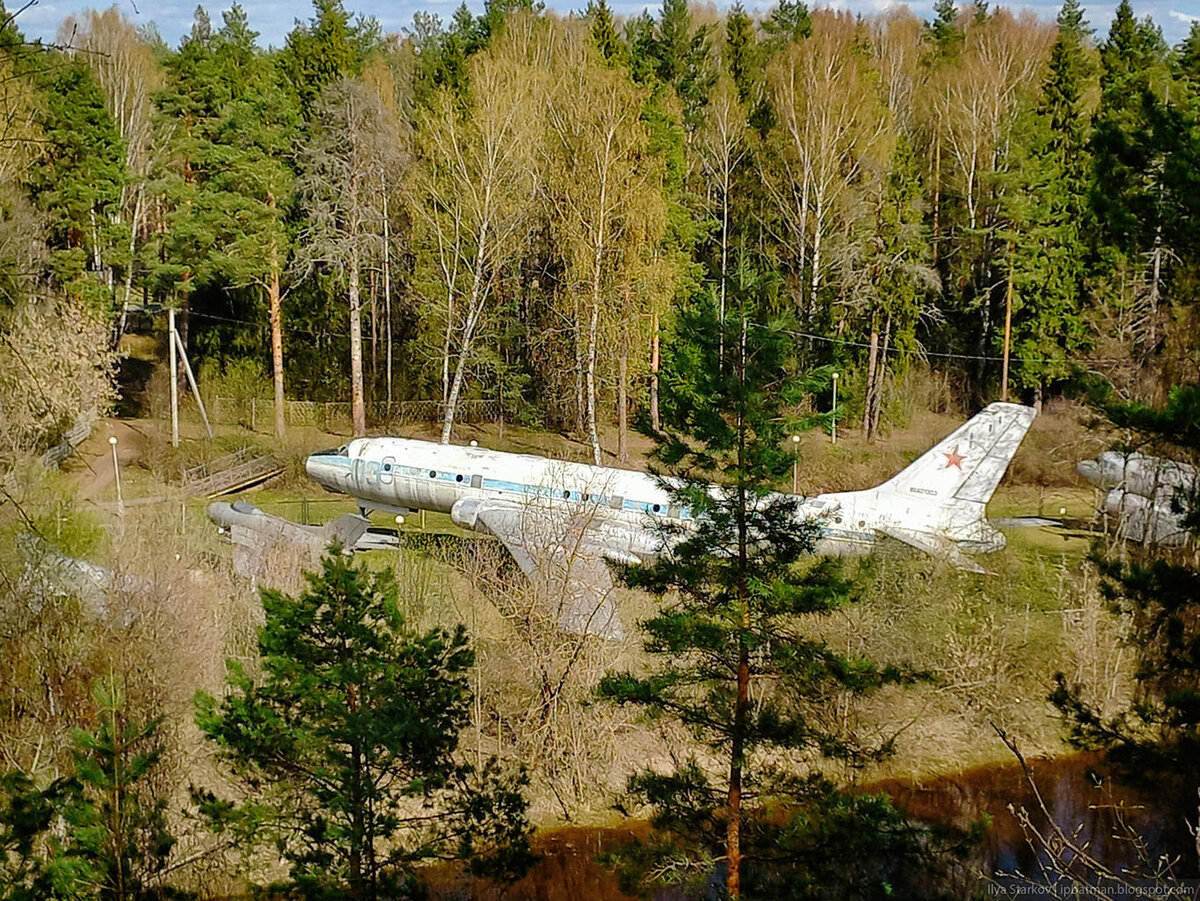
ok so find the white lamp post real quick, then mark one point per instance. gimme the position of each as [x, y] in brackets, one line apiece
[833, 431]
[399, 543]
[112, 441]
[795, 461]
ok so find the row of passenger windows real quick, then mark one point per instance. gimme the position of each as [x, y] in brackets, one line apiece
[615, 501]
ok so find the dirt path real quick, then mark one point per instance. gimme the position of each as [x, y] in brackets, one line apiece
[91, 467]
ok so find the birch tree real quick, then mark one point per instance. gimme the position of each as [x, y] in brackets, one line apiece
[829, 118]
[722, 143]
[472, 191]
[601, 184]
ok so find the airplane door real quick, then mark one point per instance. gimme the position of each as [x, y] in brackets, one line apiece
[385, 474]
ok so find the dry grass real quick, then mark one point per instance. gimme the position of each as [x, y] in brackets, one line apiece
[993, 644]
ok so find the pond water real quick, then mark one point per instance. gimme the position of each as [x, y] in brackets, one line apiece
[1078, 792]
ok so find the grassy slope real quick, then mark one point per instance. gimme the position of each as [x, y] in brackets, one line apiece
[993, 643]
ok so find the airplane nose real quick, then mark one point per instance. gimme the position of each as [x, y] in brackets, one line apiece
[322, 469]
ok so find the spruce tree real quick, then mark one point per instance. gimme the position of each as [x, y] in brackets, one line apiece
[944, 32]
[117, 821]
[325, 49]
[604, 32]
[1049, 219]
[742, 55]
[735, 587]
[789, 22]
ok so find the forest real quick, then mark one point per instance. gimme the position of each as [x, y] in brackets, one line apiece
[511, 208]
[562, 225]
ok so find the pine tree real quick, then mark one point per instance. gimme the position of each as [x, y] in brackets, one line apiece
[78, 185]
[1158, 589]
[734, 588]
[346, 743]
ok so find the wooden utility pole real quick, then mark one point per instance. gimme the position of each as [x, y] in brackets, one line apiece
[191, 379]
[1007, 331]
[174, 378]
[175, 345]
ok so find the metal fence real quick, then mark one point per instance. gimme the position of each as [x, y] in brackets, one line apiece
[258, 414]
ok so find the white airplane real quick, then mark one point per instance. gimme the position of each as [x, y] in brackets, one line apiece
[580, 515]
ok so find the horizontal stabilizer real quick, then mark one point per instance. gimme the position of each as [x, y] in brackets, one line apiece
[935, 546]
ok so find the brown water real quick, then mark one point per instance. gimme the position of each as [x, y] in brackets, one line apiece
[1076, 790]
[1080, 796]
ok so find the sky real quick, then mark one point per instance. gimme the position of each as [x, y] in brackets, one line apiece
[273, 19]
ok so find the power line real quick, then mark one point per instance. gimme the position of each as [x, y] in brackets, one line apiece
[924, 353]
[794, 333]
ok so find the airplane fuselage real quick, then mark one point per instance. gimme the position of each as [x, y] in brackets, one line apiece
[400, 475]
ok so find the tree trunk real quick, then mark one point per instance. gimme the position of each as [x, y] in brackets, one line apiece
[623, 404]
[937, 193]
[733, 831]
[387, 296]
[593, 335]
[373, 292]
[181, 326]
[475, 304]
[815, 281]
[880, 375]
[577, 332]
[357, 402]
[872, 362]
[274, 314]
[654, 420]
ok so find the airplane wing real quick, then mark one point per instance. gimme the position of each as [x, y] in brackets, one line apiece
[931, 544]
[565, 563]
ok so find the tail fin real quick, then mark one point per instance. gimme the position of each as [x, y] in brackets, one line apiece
[969, 463]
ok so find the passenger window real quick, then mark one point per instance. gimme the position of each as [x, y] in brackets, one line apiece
[476, 481]
[616, 502]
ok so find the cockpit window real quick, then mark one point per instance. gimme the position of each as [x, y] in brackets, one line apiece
[332, 451]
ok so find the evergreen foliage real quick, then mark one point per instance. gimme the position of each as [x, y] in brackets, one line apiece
[118, 825]
[346, 744]
[1158, 590]
[100, 833]
[735, 596]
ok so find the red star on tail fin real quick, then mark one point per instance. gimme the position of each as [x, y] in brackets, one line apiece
[954, 458]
